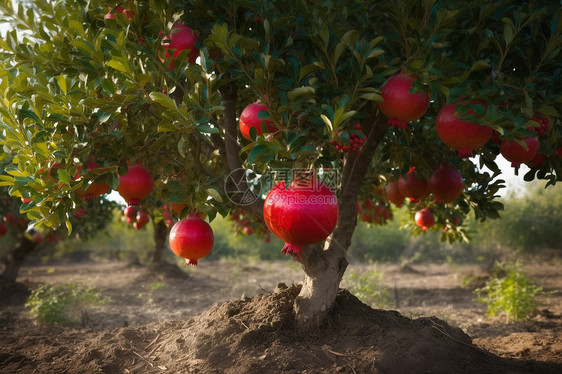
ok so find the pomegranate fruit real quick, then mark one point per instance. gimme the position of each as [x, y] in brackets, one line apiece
[516, 153]
[412, 186]
[94, 189]
[79, 213]
[537, 161]
[135, 185]
[3, 229]
[446, 184]
[191, 238]
[305, 213]
[111, 13]
[401, 106]
[142, 219]
[249, 118]
[181, 38]
[130, 212]
[37, 237]
[461, 135]
[424, 218]
[393, 193]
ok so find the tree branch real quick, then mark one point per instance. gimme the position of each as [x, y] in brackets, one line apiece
[236, 180]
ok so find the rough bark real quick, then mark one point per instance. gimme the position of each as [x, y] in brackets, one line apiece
[324, 267]
[160, 236]
[15, 259]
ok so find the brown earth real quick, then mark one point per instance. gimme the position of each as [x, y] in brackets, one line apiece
[224, 317]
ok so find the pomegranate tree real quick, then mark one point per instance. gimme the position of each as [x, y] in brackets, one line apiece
[399, 105]
[191, 238]
[305, 213]
[460, 135]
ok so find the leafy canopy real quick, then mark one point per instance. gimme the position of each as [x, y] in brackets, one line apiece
[75, 84]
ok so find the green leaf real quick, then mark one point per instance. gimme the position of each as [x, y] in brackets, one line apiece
[507, 34]
[300, 92]
[68, 227]
[61, 80]
[118, 65]
[164, 100]
[215, 194]
[63, 176]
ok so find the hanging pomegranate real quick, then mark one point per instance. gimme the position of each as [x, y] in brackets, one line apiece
[516, 153]
[461, 135]
[446, 184]
[424, 218]
[3, 229]
[249, 118]
[94, 189]
[181, 37]
[412, 186]
[401, 106]
[178, 207]
[142, 219]
[537, 161]
[393, 193]
[191, 238]
[305, 213]
[135, 185]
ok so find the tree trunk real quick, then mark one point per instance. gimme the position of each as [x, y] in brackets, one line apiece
[324, 270]
[14, 260]
[160, 236]
[324, 267]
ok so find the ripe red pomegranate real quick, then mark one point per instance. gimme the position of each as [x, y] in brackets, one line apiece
[94, 189]
[424, 218]
[142, 219]
[401, 106]
[516, 153]
[412, 186]
[446, 184]
[305, 213]
[37, 237]
[249, 118]
[136, 185]
[393, 193]
[537, 161]
[3, 229]
[111, 13]
[10, 218]
[191, 238]
[130, 212]
[79, 213]
[181, 37]
[461, 135]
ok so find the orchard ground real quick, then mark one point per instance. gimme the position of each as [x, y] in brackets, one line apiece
[208, 319]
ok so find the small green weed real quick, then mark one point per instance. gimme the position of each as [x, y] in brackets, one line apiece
[510, 291]
[367, 288]
[61, 303]
[155, 286]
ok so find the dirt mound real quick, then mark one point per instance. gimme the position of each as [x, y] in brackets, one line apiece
[257, 336]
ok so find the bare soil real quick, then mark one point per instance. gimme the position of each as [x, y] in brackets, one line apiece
[225, 317]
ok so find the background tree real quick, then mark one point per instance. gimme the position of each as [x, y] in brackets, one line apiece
[79, 80]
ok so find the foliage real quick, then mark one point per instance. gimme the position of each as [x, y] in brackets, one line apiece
[156, 286]
[530, 222]
[510, 292]
[366, 286]
[61, 303]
